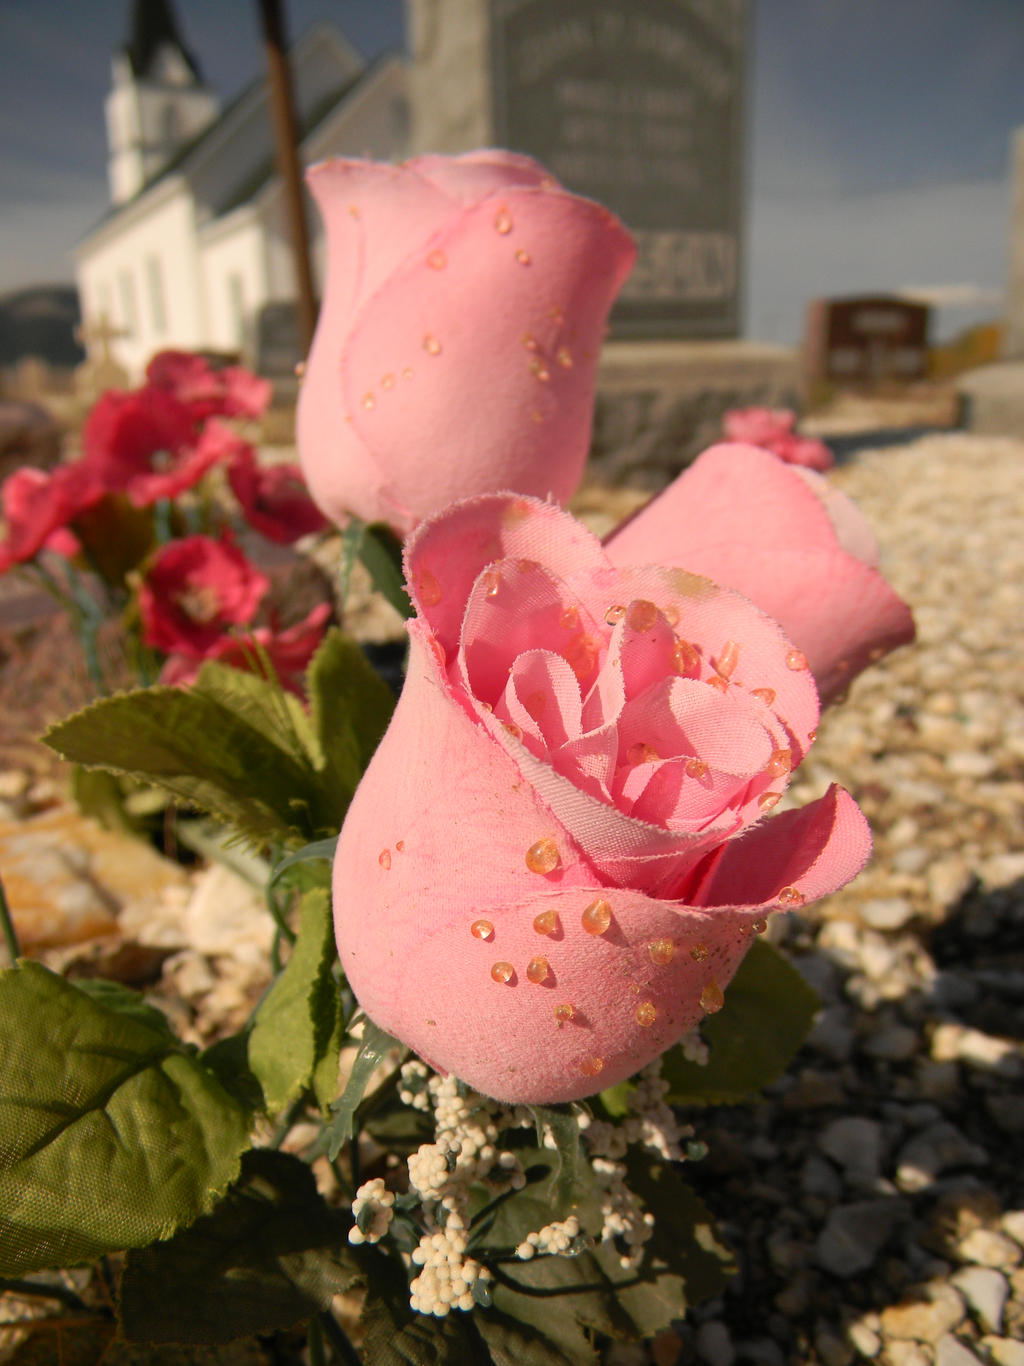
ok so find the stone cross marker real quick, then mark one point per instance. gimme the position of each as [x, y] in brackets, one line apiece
[99, 371]
[637, 105]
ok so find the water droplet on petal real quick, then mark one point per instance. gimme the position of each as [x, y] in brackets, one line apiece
[615, 614]
[300, 369]
[536, 704]
[542, 857]
[546, 922]
[712, 998]
[569, 619]
[812, 735]
[523, 257]
[661, 951]
[791, 896]
[592, 1067]
[529, 341]
[564, 357]
[354, 210]
[769, 799]
[481, 929]
[685, 659]
[540, 370]
[641, 616]
[437, 650]
[437, 260]
[565, 1013]
[728, 659]
[645, 1014]
[431, 345]
[384, 859]
[399, 845]
[765, 695]
[597, 917]
[796, 659]
[407, 372]
[699, 952]
[492, 583]
[759, 926]
[502, 972]
[641, 753]
[581, 655]
[512, 729]
[696, 768]
[780, 762]
[503, 222]
[429, 588]
[717, 681]
[368, 401]
[537, 969]
[671, 614]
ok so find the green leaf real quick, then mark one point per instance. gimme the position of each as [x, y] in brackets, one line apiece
[270, 1255]
[545, 1336]
[395, 1335]
[113, 1133]
[319, 849]
[278, 715]
[381, 553]
[298, 1026]
[350, 706]
[117, 997]
[202, 749]
[569, 1165]
[375, 1046]
[768, 1011]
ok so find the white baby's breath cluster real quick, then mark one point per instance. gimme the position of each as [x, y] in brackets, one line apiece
[552, 1239]
[372, 1196]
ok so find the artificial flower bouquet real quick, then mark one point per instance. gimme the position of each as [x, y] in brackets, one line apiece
[526, 906]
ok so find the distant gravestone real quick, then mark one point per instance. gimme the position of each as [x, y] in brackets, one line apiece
[278, 346]
[1013, 346]
[866, 341]
[641, 108]
[99, 371]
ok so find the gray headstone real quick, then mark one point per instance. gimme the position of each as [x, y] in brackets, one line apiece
[866, 340]
[639, 106]
[278, 349]
[1013, 347]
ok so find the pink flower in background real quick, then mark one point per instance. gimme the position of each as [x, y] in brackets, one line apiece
[228, 392]
[602, 745]
[288, 652]
[194, 590]
[458, 340]
[773, 430]
[37, 506]
[274, 498]
[797, 548]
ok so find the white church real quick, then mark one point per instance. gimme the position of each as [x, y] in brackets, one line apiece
[195, 244]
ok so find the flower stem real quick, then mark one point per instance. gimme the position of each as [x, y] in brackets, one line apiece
[7, 926]
[341, 1345]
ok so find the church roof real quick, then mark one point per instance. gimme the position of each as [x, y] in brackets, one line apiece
[153, 25]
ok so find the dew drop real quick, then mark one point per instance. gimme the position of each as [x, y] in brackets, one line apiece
[615, 614]
[581, 655]
[712, 997]
[523, 257]
[437, 650]
[431, 345]
[540, 370]
[429, 589]
[492, 583]
[512, 729]
[696, 768]
[546, 922]
[384, 859]
[685, 659]
[569, 619]
[481, 929]
[592, 1067]
[565, 1013]
[661, 951]
[671, 614]
[791, 896]
[537, 969]
[728, 659]
[300, 369]
[780, 762]
[597, 917]
[564, 357]
[503, 222]
[354, 210]
[368, 401]
[812, 735]
[769, 799]
[502, 972]
[717, 681]
[407, 372]
[765, 695]
[542, 857]
[387, 381]
[699, 952]
[399, 845]
[536, 416]
[529, 341]
[555, 312]
[641, 753]
[759, 926]
[642, 615]
[437, 260]
[796, 660]
[645, 1014]
[536, 704]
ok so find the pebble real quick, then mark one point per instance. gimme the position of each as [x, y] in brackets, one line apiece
[983, 1051]
[887, 913]
[950, 1351]
[714, 1345]
[936, 1149]
[1004, 1351]
[986, 1247]
[856, 1144]
[1013, 1224]
[932, 1312]
[985, 1290]
[864, 1340]
[855, 1234]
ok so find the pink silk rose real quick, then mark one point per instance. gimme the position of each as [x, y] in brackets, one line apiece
[559, 853]
[773, 429]
[788, 541]
[457, 345]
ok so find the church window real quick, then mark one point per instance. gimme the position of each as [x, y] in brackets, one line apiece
[157, 308]
[126, 287]
[236, 306]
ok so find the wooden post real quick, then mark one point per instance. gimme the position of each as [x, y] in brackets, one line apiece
[282, 112]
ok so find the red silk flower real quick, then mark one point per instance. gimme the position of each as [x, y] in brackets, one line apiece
[457, 345]
[288, 652]
[273, 498]
[37, 506]
[194, 591]
[602, 745]
[783, 537]
[228, 392]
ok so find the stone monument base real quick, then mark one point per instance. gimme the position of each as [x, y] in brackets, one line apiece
[660, 403]
[992, 399]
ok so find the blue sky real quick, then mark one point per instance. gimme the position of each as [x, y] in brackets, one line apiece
[877, 153]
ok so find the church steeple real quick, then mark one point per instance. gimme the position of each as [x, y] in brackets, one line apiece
[158, 101]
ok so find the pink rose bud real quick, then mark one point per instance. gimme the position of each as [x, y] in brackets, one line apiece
[783, 537]
[563, 846]
[457, 346]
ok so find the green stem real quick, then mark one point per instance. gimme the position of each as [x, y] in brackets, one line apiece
[315, 1338]
[342, 1346]
[7, 926]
